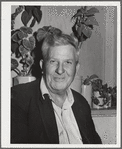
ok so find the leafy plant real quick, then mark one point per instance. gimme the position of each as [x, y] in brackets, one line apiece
[97, 85]
[42, 32]
[89, 79]
[84, 22]
[106, 93]
[23, 40]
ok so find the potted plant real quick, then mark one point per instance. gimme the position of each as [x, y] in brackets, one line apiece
[103, 96]
[23, 41]
[84, 22]
[87, 87]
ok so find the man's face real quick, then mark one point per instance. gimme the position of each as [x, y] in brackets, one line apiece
[60, 68]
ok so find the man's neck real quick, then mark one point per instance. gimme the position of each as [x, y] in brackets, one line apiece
[59, 99]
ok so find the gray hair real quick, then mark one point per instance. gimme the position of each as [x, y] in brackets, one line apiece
[55, 37]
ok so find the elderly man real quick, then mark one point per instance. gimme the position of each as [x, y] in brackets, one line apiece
[48, 111]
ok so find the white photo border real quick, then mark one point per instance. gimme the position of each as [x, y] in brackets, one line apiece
[6, 71]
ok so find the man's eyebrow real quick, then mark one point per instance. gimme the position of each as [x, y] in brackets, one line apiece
[67, 59]
[70, 59]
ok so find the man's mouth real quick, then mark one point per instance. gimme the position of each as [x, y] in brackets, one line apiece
[58, 79]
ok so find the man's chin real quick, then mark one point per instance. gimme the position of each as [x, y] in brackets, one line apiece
[60, 88]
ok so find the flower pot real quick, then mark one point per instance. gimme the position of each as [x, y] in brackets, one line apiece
[23, 79]
[87, 93]
[101, 102]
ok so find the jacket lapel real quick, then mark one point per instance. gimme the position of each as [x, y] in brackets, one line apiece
[80, 119]
[48, 117]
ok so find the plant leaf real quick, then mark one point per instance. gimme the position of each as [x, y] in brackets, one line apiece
[22, 50]
[94, 76]
[21, 35]
[74, 30]
[32, 42]
[14, 64]
[26, 44]
[87, 32]
[29, 9]
[27, 30]
[37, 14]
[33, 22]
[25, 17]
[85, 8]
[87, 81]
[82, 38]
[91, 21]
[92, 11]
[41, 33]
[14, 37]
[80, 29]
[79, 13]
[38, 7]
[14, 46]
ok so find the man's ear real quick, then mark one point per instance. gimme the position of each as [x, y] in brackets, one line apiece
[41, 64]
[77, 68]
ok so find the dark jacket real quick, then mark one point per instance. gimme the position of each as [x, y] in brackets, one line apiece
[33, 119]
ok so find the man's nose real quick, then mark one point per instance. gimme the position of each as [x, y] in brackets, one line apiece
[60, 69]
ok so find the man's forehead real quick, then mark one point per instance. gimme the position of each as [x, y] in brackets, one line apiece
[60, 48]
[62, 51]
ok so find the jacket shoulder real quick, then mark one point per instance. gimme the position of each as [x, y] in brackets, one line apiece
[26, 87]
[79, 97]
[22, 94]
[81, 102]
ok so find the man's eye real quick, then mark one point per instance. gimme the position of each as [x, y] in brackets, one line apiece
[52, 61]
[69, 62]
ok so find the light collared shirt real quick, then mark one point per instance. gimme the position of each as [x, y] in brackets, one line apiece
[68, 130]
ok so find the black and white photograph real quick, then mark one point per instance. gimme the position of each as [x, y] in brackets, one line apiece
[60, 74]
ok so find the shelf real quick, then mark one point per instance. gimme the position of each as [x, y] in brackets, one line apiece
[103, 112]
